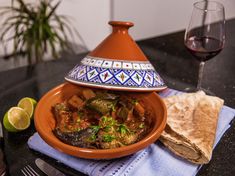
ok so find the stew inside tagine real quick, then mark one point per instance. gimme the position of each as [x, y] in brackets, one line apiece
[100, 119]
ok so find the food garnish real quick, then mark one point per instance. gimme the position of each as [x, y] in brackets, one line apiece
[19, 117]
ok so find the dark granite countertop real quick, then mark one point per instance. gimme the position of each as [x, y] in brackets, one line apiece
[170, 58]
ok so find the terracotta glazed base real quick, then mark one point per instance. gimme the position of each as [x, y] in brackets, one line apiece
[45, 123]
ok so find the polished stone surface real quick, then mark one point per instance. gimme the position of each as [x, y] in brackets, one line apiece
[172, 61]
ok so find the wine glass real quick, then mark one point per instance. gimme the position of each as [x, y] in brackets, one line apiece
[205, 35]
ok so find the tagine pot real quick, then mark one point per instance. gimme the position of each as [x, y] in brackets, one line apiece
[117, 63]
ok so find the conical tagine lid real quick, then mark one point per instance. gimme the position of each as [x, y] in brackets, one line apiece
[117, 63]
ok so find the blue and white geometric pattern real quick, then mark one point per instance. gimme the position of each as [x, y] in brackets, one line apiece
[148, 78]
[105, 76]
[137, 78]
[91, 74]
[116, 74]
[122, 77]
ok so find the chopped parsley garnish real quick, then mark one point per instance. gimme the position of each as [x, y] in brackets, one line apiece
[108, 138]
[78, 120]
[107, 128]
[107, 121]
[92, 138]
[123, 129]
[134, 101]
[95, 128]
[141, 125]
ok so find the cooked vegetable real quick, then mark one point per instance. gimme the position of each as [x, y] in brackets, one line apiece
[100, 119]
[123, 113]
[100, 105]
[139, 109]
[88, 93]
[83, 138]
[75, 102]
[123, 129]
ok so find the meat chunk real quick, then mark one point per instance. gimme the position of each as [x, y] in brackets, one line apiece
[75, 102]
[139, 109]
[88, 93]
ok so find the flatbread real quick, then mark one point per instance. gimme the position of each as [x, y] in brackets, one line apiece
[191, 125]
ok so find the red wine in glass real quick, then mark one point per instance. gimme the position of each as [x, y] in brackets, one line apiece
[205, 35]
[204, 48]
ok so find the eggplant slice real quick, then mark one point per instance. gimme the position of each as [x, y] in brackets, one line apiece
[83, 138]
[102, 103]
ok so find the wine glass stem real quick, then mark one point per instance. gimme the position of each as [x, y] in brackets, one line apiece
[201, 68]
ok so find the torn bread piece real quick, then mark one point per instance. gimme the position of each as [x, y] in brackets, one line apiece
[191, 125]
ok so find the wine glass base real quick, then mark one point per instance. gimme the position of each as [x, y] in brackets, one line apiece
[194, 89]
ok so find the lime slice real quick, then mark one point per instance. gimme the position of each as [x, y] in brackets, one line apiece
[16, 119]
[28, 104]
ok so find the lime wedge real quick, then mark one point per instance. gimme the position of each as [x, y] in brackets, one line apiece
[16, 119]
[28, 104]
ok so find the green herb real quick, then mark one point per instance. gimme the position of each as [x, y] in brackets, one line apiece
[134, 101]
[108, 138]
[123, 129]
[92, 138]
[95, 128]
[141, 125]
[107, 128]
[104, 119]
[78, 120]
[107, 121]
[113, 108]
